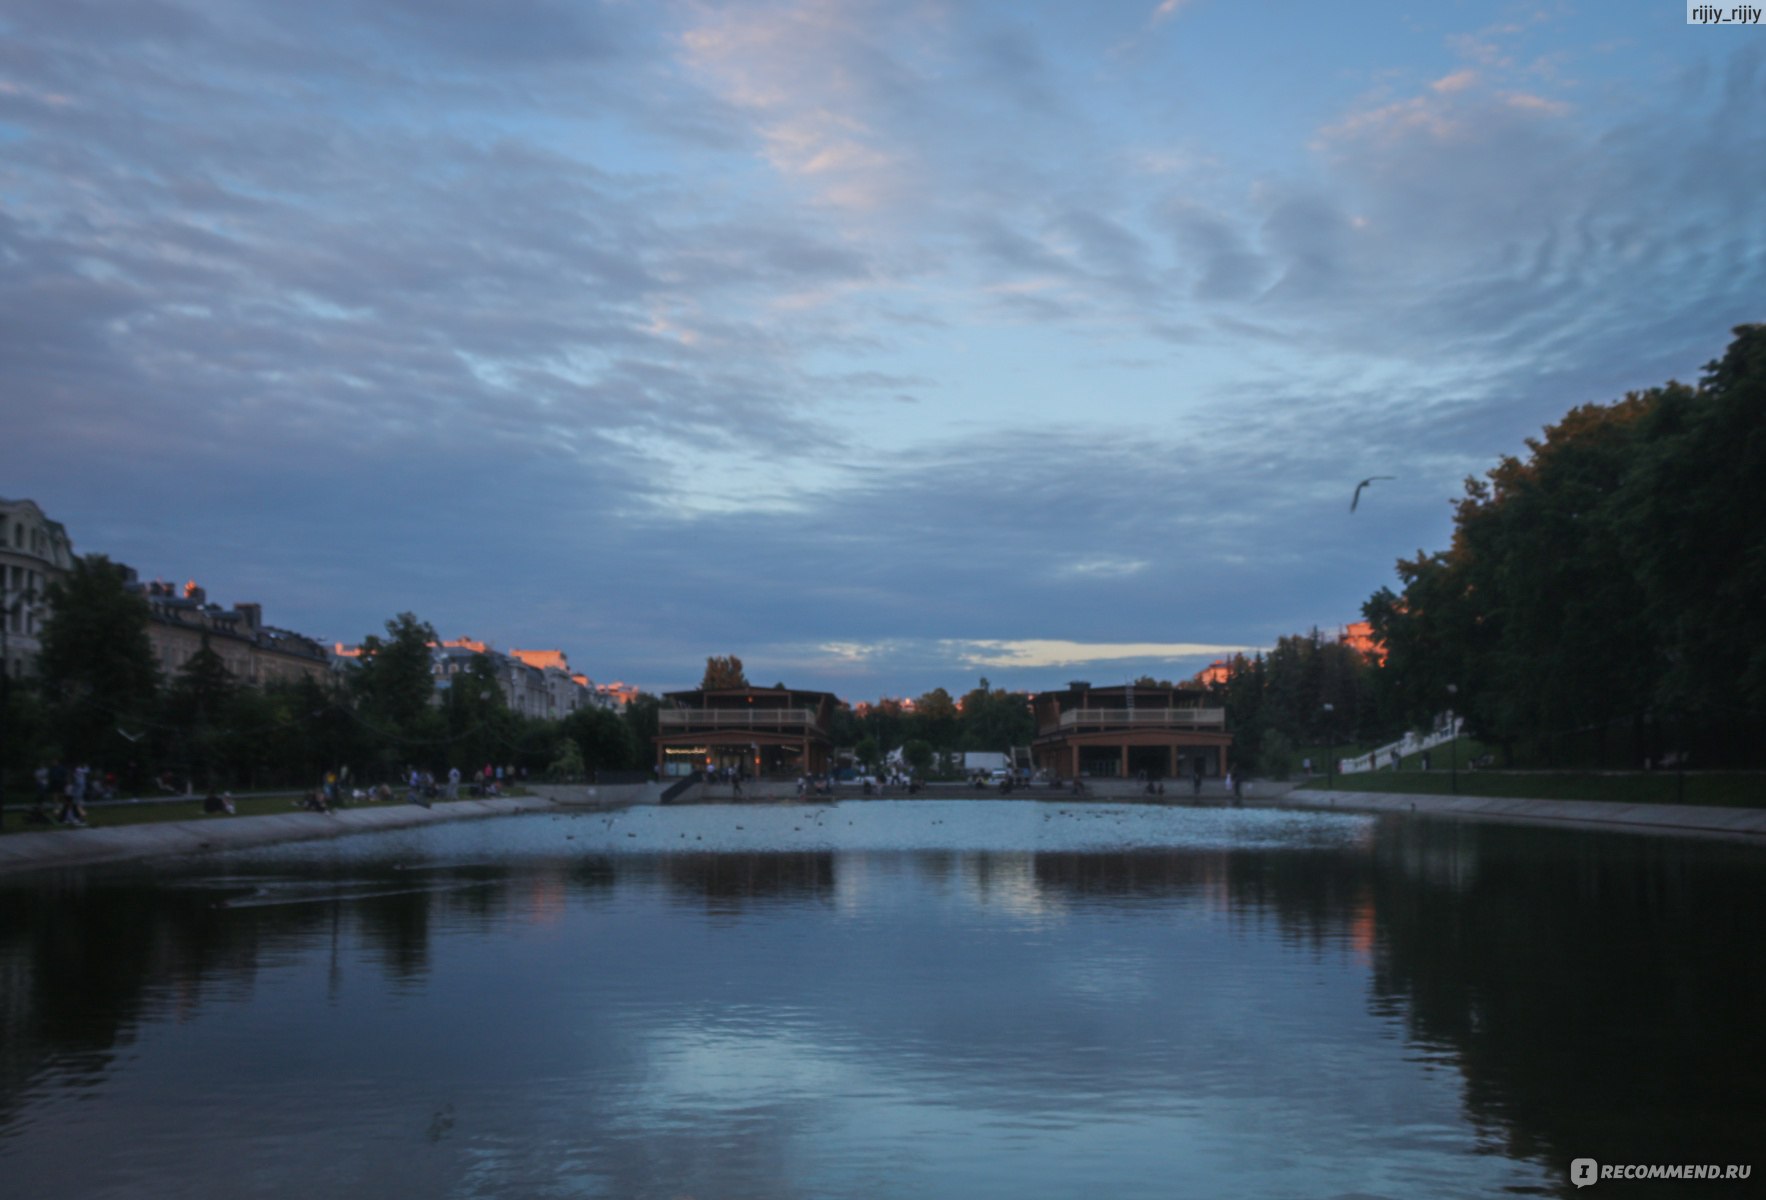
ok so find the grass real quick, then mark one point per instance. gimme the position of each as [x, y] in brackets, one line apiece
[1735, 789]
[146, 812]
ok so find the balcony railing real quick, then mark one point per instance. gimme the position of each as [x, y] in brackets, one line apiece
[739, 718]
[1143, 718]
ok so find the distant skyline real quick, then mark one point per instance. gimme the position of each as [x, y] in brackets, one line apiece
[885, 346]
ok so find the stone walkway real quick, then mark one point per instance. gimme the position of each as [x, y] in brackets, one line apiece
[88, 847]
[1747, 824]
[85, 847]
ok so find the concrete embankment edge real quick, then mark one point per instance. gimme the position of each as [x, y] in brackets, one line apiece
[122, 843]
[1745, 824]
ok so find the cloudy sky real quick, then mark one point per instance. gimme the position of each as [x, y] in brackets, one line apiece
[885, 345]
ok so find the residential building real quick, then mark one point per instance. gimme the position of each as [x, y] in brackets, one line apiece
[617, 694]
[534, 683]
[34, 552]
[1121, 732]
[759, 731]
[180, 619]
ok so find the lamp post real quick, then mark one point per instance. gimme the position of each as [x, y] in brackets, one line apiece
[1330, 747]
[1453, 735]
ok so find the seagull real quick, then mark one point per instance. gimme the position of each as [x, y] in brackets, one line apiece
[1356, 499]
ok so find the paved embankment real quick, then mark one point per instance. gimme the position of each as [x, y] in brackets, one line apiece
[1704, 820]
[598, 795]
[118, 843]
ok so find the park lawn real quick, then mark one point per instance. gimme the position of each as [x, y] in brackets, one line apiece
[1734, 789]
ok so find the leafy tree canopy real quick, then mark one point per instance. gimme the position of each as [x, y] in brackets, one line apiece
[394, 679]
[96, 665]
[721, 673]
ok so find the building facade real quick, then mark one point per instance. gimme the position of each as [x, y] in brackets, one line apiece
[757, 731]
[179, 619]
[534, 683]
[34, 553]
[1127, 731]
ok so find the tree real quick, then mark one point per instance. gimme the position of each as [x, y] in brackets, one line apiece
[604, 741]
[96, 666]
[867, 752]
[395, 677]
[479, 725]
[723, 673]
[1608, 581]
[196, 708]
[1691, 512]
[936, 714]
[643, 716]
[994, 719]
[917, 752]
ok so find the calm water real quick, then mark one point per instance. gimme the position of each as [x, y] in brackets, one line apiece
[889, 999]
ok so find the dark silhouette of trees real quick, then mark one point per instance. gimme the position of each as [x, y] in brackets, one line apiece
[722, 673]
[96, 668]
[1605, 590]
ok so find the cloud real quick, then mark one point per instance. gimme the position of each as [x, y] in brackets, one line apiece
[1166, 10]
[1055, 653]
[601, 329]
[1457, 81]
[1111, 568]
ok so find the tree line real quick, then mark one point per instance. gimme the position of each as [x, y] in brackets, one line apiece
[1603, 599]
[99, 698]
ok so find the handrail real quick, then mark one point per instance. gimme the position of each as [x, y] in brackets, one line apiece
[738, 718]
[1162, 718]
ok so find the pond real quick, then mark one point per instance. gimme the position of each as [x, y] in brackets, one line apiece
[888, 999]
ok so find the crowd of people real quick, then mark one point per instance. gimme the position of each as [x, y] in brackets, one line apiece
[67, 789]
[63, 791]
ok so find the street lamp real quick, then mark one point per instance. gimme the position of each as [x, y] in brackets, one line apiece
[1453, 734]
[1330, 747]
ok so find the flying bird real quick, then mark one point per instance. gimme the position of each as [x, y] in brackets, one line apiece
[1356, 499]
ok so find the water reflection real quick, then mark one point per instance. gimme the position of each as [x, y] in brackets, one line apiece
[1116, 1002]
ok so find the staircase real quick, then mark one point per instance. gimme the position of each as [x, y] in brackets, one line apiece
[1410, 743]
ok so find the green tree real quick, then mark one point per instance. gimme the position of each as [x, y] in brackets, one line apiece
[994, 719]
[604, 741]
[479, 725]
[394, 680]
[1275, 758]
[1609, 581]
[867, 751]
[196, 707]
[1691, 518]
[643, 716]
[936, 713]
[569, 762]
[918, 753]
[96, 666]
[723, 673]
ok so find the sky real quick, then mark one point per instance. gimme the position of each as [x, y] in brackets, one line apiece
[884, 346]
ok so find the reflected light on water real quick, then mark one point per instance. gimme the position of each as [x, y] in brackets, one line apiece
[883, 999]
